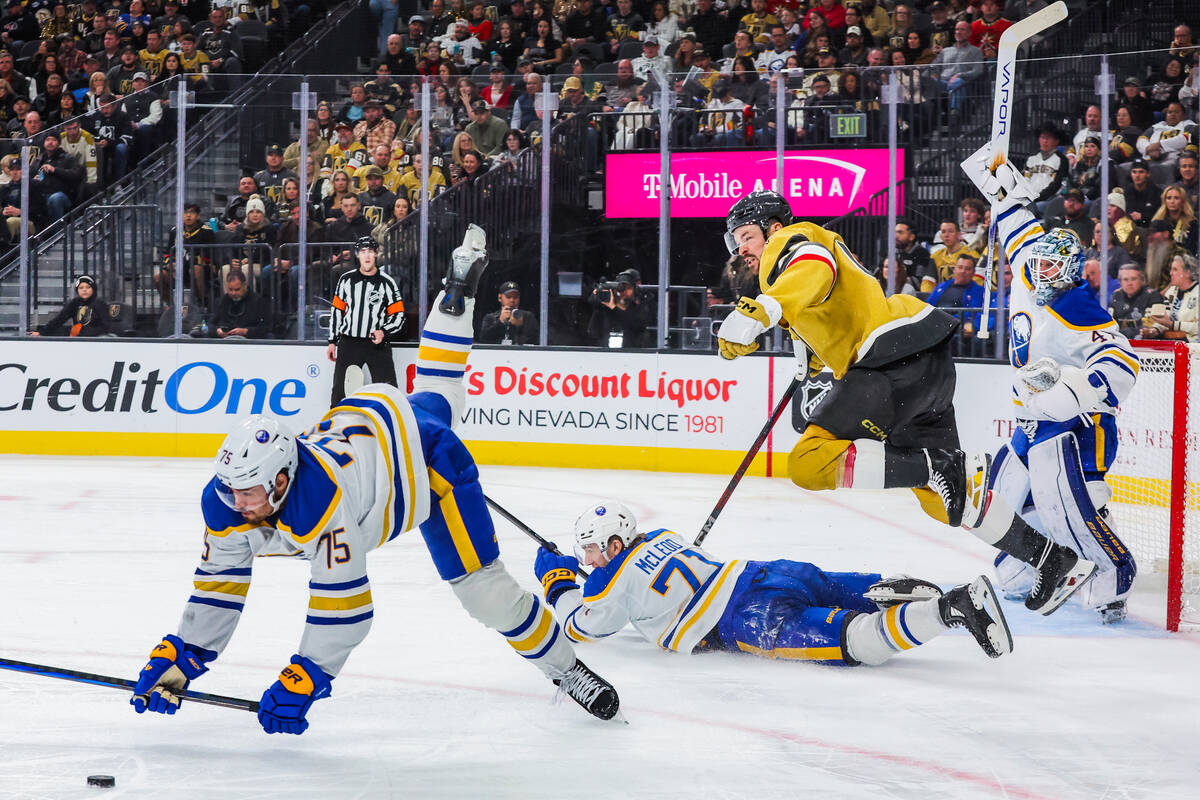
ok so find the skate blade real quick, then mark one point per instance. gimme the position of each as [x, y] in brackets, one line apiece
[886, 598]
[1081, 573]
[998, 633]
[978, 511]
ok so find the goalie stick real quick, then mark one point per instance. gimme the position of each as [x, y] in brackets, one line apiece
[1002, 113]
[122, 683]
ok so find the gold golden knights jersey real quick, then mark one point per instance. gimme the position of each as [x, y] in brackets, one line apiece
[350, 158]
[837, 308]
[197, 65]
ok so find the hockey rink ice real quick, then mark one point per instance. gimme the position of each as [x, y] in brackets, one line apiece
[99, 555]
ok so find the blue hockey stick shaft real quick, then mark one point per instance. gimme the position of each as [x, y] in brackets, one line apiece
[122, 683]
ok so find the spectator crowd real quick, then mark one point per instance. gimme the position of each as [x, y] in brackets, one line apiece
[87, 85]
[607, 61]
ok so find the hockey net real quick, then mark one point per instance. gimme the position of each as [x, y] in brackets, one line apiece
[1156, 477]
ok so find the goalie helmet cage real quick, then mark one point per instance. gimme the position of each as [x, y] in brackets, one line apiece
[1156, 476]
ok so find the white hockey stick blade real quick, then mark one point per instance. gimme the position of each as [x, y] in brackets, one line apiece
[353, 380]
[1006, 59]
[1002, 115]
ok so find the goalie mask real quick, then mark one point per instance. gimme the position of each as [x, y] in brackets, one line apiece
[757, 208]
[252, 455]
[1055, 264]
[600, 523]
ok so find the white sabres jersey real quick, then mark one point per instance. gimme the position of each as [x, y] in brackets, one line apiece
[1073, 329]
[672, 592]
[360, 482]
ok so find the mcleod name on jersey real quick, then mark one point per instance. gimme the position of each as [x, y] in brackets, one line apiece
[673, 593]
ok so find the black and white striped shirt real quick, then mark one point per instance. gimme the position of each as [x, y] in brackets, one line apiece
[365, 303]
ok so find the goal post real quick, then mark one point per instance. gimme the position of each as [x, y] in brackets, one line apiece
[1155, 479]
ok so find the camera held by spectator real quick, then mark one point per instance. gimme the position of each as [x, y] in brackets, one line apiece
[620, 318]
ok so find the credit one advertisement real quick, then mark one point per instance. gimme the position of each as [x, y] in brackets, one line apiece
[817, 183]
[604, 409]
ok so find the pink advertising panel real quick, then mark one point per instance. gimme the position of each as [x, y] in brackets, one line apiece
[817, 183]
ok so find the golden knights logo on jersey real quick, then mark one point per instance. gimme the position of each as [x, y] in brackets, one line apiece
[373, 214]
[275, 193]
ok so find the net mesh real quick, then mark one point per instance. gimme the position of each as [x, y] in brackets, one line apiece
[1141, 477]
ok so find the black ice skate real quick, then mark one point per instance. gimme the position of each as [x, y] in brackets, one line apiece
[1060, 573]
[961, 481]
[974, 606]
[467, 263]
[901, 589]
[947, 477]
[596, 695]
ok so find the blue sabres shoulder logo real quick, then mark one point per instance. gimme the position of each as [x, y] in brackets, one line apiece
[261, 436]
[1020, 332]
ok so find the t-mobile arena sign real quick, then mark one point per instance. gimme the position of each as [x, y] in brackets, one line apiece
[817, 183]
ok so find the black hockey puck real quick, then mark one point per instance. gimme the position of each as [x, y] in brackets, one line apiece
[103, 781]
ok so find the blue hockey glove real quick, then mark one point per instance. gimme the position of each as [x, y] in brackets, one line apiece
[171, 667]
[556, 572]
[284, 705]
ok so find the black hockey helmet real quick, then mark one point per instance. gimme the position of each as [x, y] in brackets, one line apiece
[366, 243]
[757, 208]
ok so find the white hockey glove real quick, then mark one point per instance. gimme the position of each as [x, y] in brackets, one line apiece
[1000, 181]
[1056, 392]
[749, 320]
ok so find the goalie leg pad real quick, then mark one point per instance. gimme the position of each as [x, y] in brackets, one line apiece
[1014, 578]
[1068, 515]
[1010, 490]
[493, 597]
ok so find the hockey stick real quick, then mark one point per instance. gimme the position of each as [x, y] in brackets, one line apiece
[741, 470]
[549, 545]
[122, 683]
[1002, 113]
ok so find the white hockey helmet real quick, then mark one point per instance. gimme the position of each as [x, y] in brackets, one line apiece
[252, 455]
[601, 522]
[1055, 264]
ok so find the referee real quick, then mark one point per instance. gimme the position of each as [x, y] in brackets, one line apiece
[366, 309]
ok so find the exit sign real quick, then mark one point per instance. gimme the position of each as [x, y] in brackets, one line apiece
[848, 126]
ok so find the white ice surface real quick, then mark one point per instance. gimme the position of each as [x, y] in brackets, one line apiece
[98, 556]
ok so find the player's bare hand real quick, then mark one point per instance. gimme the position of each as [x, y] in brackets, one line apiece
[331, 352]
